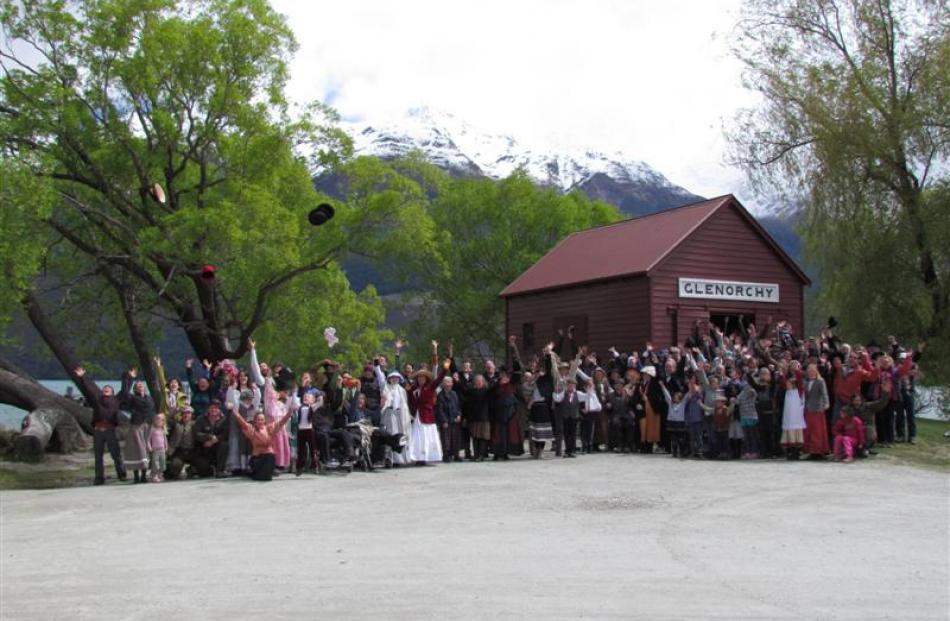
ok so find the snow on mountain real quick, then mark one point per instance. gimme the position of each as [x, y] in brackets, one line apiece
[457, 146]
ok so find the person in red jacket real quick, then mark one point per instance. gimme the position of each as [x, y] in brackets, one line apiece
[424, 443]
[849, 435]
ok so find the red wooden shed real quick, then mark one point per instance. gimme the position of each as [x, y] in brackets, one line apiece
[650, 278]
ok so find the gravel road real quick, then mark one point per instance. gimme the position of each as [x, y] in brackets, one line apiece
[601, 536]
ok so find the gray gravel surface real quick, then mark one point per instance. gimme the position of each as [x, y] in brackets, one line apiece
[601, 536]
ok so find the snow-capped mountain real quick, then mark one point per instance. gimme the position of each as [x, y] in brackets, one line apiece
[459, 148]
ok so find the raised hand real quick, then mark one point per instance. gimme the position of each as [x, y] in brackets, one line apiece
[206, 363]
[398, 344]
[133, 372]
[251, 343]
[79, 371]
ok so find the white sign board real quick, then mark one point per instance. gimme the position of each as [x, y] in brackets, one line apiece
[728, 290]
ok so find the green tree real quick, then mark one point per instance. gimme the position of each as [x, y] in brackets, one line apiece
[24, 201]
[489, 232]
[101, 100]
[853, 125]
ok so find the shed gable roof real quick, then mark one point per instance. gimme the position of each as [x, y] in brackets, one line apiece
[633, 246]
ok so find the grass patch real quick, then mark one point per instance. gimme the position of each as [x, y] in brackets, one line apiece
[931, 449]
[55, 471]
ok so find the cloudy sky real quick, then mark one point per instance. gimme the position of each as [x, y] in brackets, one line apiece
[653, 79]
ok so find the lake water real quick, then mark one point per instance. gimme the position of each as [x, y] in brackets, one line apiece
[10, 417]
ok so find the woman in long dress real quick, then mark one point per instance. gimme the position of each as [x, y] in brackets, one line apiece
[394, 416]
[816, 443]
[535, 392]
[276, 406]
[141, 409]
[793, 414]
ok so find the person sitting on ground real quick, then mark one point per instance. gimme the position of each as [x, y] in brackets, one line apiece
[849, 435]
[260, 435]
[211, 442]
[181, 443]
[867, 411]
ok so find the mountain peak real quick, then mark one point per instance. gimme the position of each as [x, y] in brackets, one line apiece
[461, 148]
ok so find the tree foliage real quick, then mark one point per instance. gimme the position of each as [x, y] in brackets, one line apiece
[24, 201]
[469, 239]
[853, 125]
[100, 100]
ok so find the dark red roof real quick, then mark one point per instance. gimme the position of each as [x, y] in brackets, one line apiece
[625, 248]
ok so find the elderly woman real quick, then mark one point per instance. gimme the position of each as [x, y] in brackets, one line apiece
[261, 435]
[394, 403]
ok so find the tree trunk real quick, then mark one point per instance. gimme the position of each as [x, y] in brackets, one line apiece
[126, 297]
[57, 344]
[51, 415]
[39, 429]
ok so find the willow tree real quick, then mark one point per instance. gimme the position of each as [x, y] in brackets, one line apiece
[103, 100]
[854, 126]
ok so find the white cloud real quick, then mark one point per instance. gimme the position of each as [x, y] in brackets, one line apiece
[652, 79]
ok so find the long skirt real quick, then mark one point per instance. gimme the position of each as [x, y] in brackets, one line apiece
[539, 423]
[424, 442]
[650, 426]
[480, 430]
[134, 453]
[792, 437]
[238, 447]
[513, 429]
[816, 434]
[281, 446]
[389, 420]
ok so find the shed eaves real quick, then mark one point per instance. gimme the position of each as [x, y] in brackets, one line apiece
[625, 248]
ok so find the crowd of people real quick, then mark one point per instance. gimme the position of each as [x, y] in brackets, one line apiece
[740, 393]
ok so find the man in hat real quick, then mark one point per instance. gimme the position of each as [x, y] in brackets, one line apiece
[567, 405]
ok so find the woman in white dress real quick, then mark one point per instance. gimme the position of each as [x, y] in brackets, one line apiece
[793, 414]
[394, 411]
